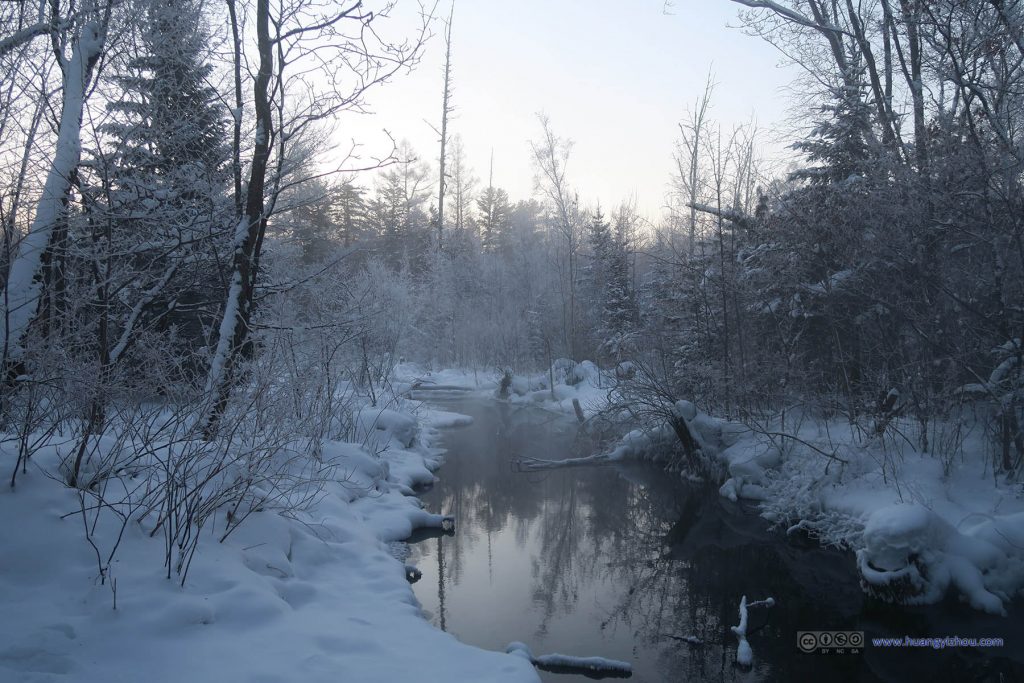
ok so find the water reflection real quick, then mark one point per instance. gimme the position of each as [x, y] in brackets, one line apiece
[626, 564]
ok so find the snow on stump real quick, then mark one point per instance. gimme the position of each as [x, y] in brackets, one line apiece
[899, 542]
[912, 556]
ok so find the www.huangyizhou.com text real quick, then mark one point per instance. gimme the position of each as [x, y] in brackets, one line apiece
[937, 643]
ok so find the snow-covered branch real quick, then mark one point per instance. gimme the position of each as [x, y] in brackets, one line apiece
[792, 15]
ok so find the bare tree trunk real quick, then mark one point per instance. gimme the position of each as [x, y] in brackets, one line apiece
[693, 175]
[10, 220]
[912, 18]
[445, 110]
[234, 327]
[236, 113]
[885, 117]
[720, 164]
[316, 34]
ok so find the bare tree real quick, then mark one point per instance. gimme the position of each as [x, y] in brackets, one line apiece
[294, 41]
[446, 109]
[687, 156]
[463, 185]
[551, 156]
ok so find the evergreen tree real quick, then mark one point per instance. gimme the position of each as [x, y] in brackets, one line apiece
[525, 220]
[350, 212]
[599, 237]
[495, 214]
[165, 177]
[168, 133]
[594, 276]
[397, 213]
[312, 221]
[618, 320]
[608, 278]
[839, 143]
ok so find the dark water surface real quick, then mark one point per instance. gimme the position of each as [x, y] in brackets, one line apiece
[620, 562]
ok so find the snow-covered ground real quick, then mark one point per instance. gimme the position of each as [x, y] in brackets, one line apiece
[317, 596]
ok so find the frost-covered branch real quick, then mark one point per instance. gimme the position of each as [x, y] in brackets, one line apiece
[25, 35]
[792, 15]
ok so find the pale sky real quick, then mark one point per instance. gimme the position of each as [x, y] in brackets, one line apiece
[615, 76]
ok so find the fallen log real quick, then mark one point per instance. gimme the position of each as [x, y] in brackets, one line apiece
[591, 667]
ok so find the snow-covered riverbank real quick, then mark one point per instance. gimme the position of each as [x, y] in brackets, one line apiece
[316, 596]
[922, 524]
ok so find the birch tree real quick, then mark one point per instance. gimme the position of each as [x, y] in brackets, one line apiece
[78, 42]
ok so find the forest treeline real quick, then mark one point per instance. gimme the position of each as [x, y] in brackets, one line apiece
[179, 229]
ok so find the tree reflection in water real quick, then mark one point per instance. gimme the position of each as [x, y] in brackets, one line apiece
[620, 562]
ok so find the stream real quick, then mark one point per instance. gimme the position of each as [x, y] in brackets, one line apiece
[627, 562]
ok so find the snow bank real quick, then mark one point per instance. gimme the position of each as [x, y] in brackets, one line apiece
[719, 442]
[442, 419]
[383, 426]
[579, 382]
[412, 377]
[921, 529]
[316, 597]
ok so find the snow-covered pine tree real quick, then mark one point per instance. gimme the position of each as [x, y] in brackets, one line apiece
[350, 212]
[618, 314]
[594, 276]
[397, 212]
[495, 214]
[166, 178]
[838, 147]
